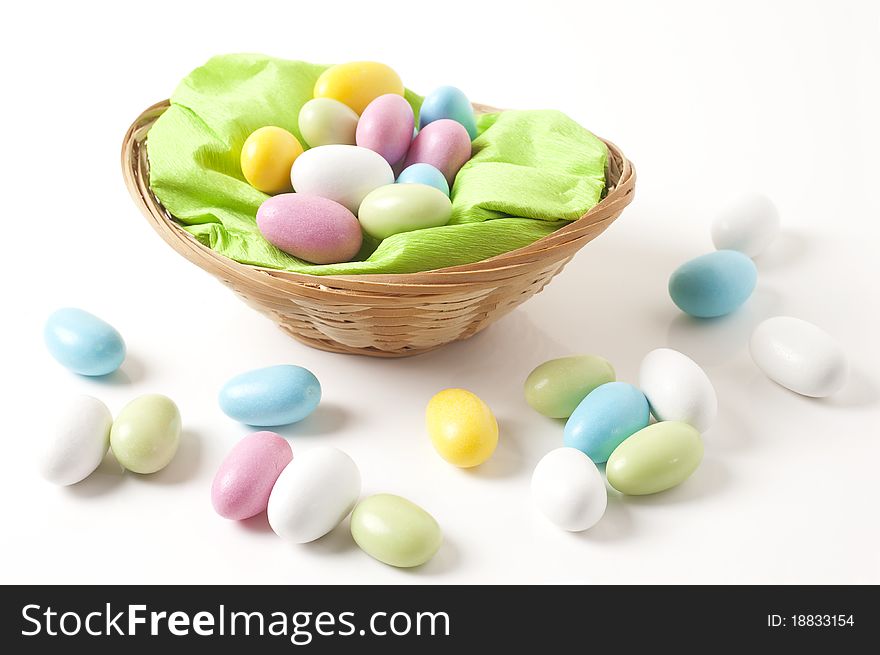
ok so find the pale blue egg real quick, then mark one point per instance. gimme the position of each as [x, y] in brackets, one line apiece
[714, 284]
[448, 102]
[275, 395]
[83, 343]
[608, 415]
[424, 174]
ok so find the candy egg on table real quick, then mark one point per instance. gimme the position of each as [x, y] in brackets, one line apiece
[312, 228]
[424, 174]
[343, 174]
[444, 144]
[324, 121]
[75, 448]
[462, 428]
[749, 225]
[274, 395]
[83, 343]
[244, 481]
[358, 83]
[556, 387]
[313, 494]
[799, 356]
[397, 208]
[655, 458]
[395, 531]
[569, 490]
[266, 158]
[386, 127]
[448, 102]
[146, 433]
[677, 389]
[608, 415]
[714, 284]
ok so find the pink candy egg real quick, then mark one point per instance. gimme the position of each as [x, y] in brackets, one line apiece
[445, 144]
[386, 127]
[311, 228]
[245, 478]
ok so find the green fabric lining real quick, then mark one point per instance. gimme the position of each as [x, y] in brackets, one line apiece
[531, 172]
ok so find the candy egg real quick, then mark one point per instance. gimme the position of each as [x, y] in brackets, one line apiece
[424, 174]
[444, 144]
[569, 490]
[395, 531]
[386, 127]
[275, 395]
[677, 389]
[714, 284]
[655, 458]
[311, 228]
[244, 481]
[556, 387]
[748, 225]
[344, 174]
[324, 121]
[399, 208]
[448, 102]
[146, 433]
[76, 446]
[462, 427]
[266, 158]
[799, 356]
[358, 83]
[607, 416]
[83, 343]
[313, 494]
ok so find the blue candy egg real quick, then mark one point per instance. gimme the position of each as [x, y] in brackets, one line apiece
[608, 415]
[83, 342]
[448, 102]
[424, 174]
[276, 395]
[714, 284]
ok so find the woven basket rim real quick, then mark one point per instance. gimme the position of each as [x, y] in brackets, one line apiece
[619, 191]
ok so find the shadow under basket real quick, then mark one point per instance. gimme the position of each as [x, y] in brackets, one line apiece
[383, 315]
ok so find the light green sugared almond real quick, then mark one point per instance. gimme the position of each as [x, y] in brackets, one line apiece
[556, 387]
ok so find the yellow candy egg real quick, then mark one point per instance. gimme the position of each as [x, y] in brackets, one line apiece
[462, 427]
[266, 158]
[358, 83]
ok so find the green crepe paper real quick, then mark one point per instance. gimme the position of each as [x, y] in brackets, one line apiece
[531, 172]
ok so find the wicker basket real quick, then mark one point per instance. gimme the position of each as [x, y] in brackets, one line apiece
[383, 315]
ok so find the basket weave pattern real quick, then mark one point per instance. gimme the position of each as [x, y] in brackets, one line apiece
[383, 315]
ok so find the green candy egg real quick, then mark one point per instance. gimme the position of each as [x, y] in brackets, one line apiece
[396, 208]
[556, 387]
[395, 531]
[655, 458]
[145, 435]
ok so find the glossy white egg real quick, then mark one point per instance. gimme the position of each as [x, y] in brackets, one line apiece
[799, 356]
[749, 224]
[677, 389]
[75, 448]
[568, 489]
[313, 494]
[342, 173]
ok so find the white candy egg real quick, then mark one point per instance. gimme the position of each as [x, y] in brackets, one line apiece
[749, 225]
[313, 494]
[799, 356]
[569, 490]
[678, 389]
[342, 173]
[78, 443]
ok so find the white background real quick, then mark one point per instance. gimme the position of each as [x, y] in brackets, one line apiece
[707, 98]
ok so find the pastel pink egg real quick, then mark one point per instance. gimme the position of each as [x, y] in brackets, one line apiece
[445, 144]
[314, 229]
[386, 127]
[245, 479]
